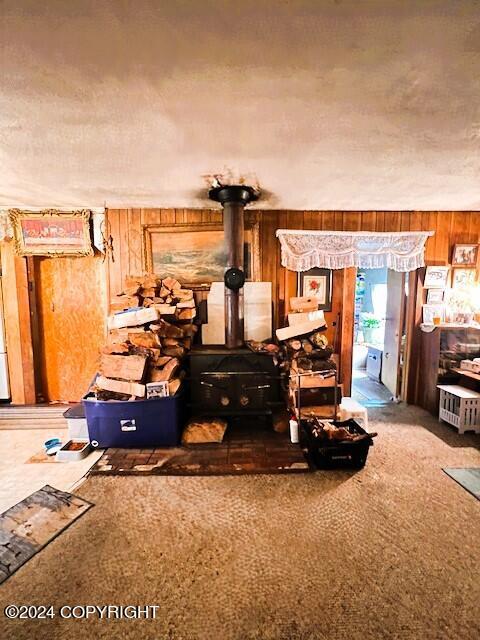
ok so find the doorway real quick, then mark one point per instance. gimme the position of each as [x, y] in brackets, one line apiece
[378, 336]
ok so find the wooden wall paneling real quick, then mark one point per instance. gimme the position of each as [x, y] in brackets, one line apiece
[328, 220]
[347, 328]
[135, 241]
[415, 221]
[442, 240]
[281, 304]
[115, 261]
[294, 221]
[18, 330]
[368, 221]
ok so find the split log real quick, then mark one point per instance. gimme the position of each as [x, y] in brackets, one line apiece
[121, 386]
[161, 361]
[132, 318]
[168, 371]
[131, 290]
[204, 430]
[297, 318]
[171, 283]
[183, 294]
[171, 342]
[150, 281]
[175, 352]
[148, 352]
[147, 339]
[121, 335]
[123, 367]
[304, 303]
[186, 304]
[294, 344]
[148, 302]
[299, 329]
[148, 292]
[307, 345]
[185, 314]
[164, 292]
[167, 330]
[189, 330]
[120, 303]
[115, 348]
[165, 309]
[174, 386]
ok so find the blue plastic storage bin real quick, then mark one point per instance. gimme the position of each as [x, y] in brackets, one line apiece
[137, 424]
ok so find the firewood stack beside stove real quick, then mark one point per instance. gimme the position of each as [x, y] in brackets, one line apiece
[150, 332]
[312, 369]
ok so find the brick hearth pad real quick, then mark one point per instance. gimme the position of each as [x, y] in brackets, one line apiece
[243, 451]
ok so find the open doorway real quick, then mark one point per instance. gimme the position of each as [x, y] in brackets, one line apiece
[378, 336]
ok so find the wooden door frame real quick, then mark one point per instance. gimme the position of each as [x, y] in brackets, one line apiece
[18, 325]
[348, 322]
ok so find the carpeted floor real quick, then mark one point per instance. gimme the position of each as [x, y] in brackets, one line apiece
[390, 552]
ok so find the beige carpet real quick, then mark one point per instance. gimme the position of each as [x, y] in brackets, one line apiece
[390, 552]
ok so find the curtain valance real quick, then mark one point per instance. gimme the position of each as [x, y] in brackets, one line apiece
[399, 250]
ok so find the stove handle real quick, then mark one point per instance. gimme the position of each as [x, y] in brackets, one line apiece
[260, 386]
[207, 384]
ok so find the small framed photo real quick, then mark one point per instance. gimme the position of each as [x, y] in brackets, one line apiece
[462, 278]
[435, 296]
[317, 283]
[465, 255]
[436, 277]
[157, 389]
[432, 311]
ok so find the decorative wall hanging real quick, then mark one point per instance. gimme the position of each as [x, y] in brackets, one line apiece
[465, 255]
[51, 232]
[436, 277]
[305, 249]
[462, 278]
[317, 283]
[195, 254]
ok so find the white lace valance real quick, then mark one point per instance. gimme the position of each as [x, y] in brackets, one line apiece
[400, 251]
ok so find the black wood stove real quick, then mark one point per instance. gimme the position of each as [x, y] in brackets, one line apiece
[230, 379]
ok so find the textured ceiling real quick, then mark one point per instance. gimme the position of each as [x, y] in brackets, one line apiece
[329, 104]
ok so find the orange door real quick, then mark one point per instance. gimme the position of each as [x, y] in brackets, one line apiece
[71, 310]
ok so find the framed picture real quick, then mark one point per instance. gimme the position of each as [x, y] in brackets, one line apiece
[465, 255]
[436, 277]
[462, 278]
[51, 233]
[431, 311]
[317, 283]
[195, 254]
[435, 296]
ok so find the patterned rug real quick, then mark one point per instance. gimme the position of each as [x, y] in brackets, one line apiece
[31, 524]
[469, 479]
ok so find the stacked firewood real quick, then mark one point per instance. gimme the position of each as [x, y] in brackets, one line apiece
[150, 332]
[309, 359]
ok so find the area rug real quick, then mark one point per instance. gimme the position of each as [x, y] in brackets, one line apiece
[468, 478]
[31, 524]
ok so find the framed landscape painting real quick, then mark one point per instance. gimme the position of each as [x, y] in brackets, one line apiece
[51, 232]
[195, 254]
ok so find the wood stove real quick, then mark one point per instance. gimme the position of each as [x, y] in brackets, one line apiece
[230, 379]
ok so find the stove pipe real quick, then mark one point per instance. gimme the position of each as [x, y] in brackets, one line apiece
[233, 198]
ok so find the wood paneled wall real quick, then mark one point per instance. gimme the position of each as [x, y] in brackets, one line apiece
[450, 228]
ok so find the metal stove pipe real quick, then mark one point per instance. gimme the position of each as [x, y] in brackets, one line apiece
[233, 198]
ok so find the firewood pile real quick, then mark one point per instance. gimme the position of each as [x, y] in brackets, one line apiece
[309, 359]
[150, 332]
